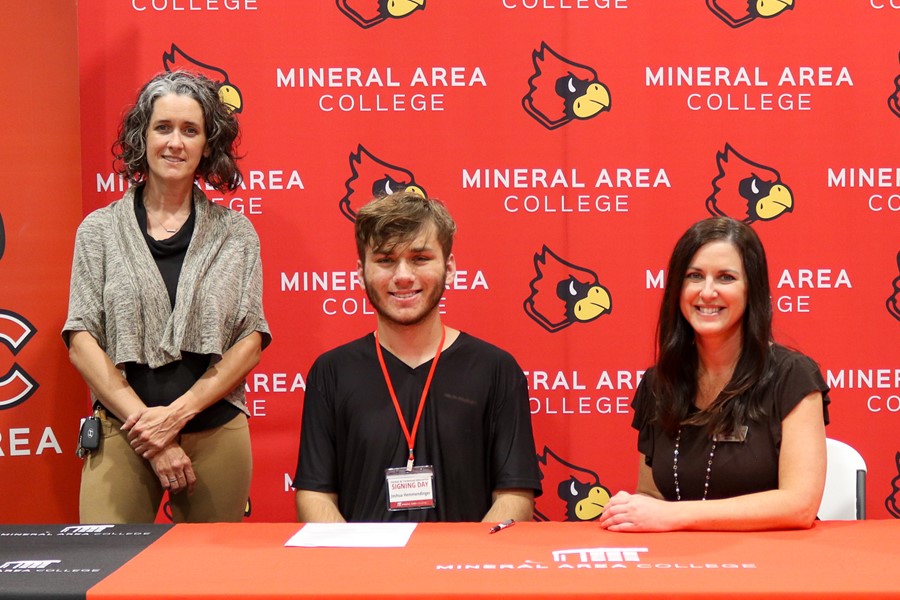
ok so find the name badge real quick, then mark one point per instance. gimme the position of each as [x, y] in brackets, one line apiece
[410, 490]
[738, 435]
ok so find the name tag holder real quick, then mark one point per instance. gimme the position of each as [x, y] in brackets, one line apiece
[410, 489]
[738, 435]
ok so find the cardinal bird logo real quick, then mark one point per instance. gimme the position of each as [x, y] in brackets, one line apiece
[371, 177]
[368, 13]
[894, 100]
[737, 13]
[563, 293]
[175, 59]
[892, 503]
[746, 190]
[579, 494]
[893, 303]
[167, 510]
[560, 90]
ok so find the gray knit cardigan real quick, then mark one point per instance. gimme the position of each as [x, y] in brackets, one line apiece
[118, 295]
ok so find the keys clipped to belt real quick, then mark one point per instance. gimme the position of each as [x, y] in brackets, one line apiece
[88, 437]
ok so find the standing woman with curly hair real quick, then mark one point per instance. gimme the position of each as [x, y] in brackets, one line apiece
[165, 316]
[731, 425]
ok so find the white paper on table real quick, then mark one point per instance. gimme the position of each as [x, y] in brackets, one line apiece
[352, 535]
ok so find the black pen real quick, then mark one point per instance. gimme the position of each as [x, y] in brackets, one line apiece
[503, 525]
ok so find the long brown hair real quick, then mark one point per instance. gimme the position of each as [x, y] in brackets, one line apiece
[675, 383]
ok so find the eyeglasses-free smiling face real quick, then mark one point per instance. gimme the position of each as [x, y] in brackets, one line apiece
[176, 139]
[714, 291]
[405, 282]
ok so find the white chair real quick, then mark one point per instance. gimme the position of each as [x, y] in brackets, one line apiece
[845, 484]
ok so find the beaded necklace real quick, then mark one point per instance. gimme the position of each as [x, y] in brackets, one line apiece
[712, 454]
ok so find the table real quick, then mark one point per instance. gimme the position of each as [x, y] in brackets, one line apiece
[838, 559]
[64, 561]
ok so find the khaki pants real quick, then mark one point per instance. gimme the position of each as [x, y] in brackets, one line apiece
[118, 486]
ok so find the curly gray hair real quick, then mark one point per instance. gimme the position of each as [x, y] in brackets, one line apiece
[218, 167]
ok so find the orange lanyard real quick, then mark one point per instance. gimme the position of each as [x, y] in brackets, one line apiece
[410, 436]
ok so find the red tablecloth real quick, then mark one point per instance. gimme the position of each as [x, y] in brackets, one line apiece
[530, 560]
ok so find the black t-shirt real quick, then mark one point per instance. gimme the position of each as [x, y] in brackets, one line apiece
[738, 467]
[475, 429]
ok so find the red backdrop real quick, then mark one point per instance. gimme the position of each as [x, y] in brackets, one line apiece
[41, 396]
[461, 99]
